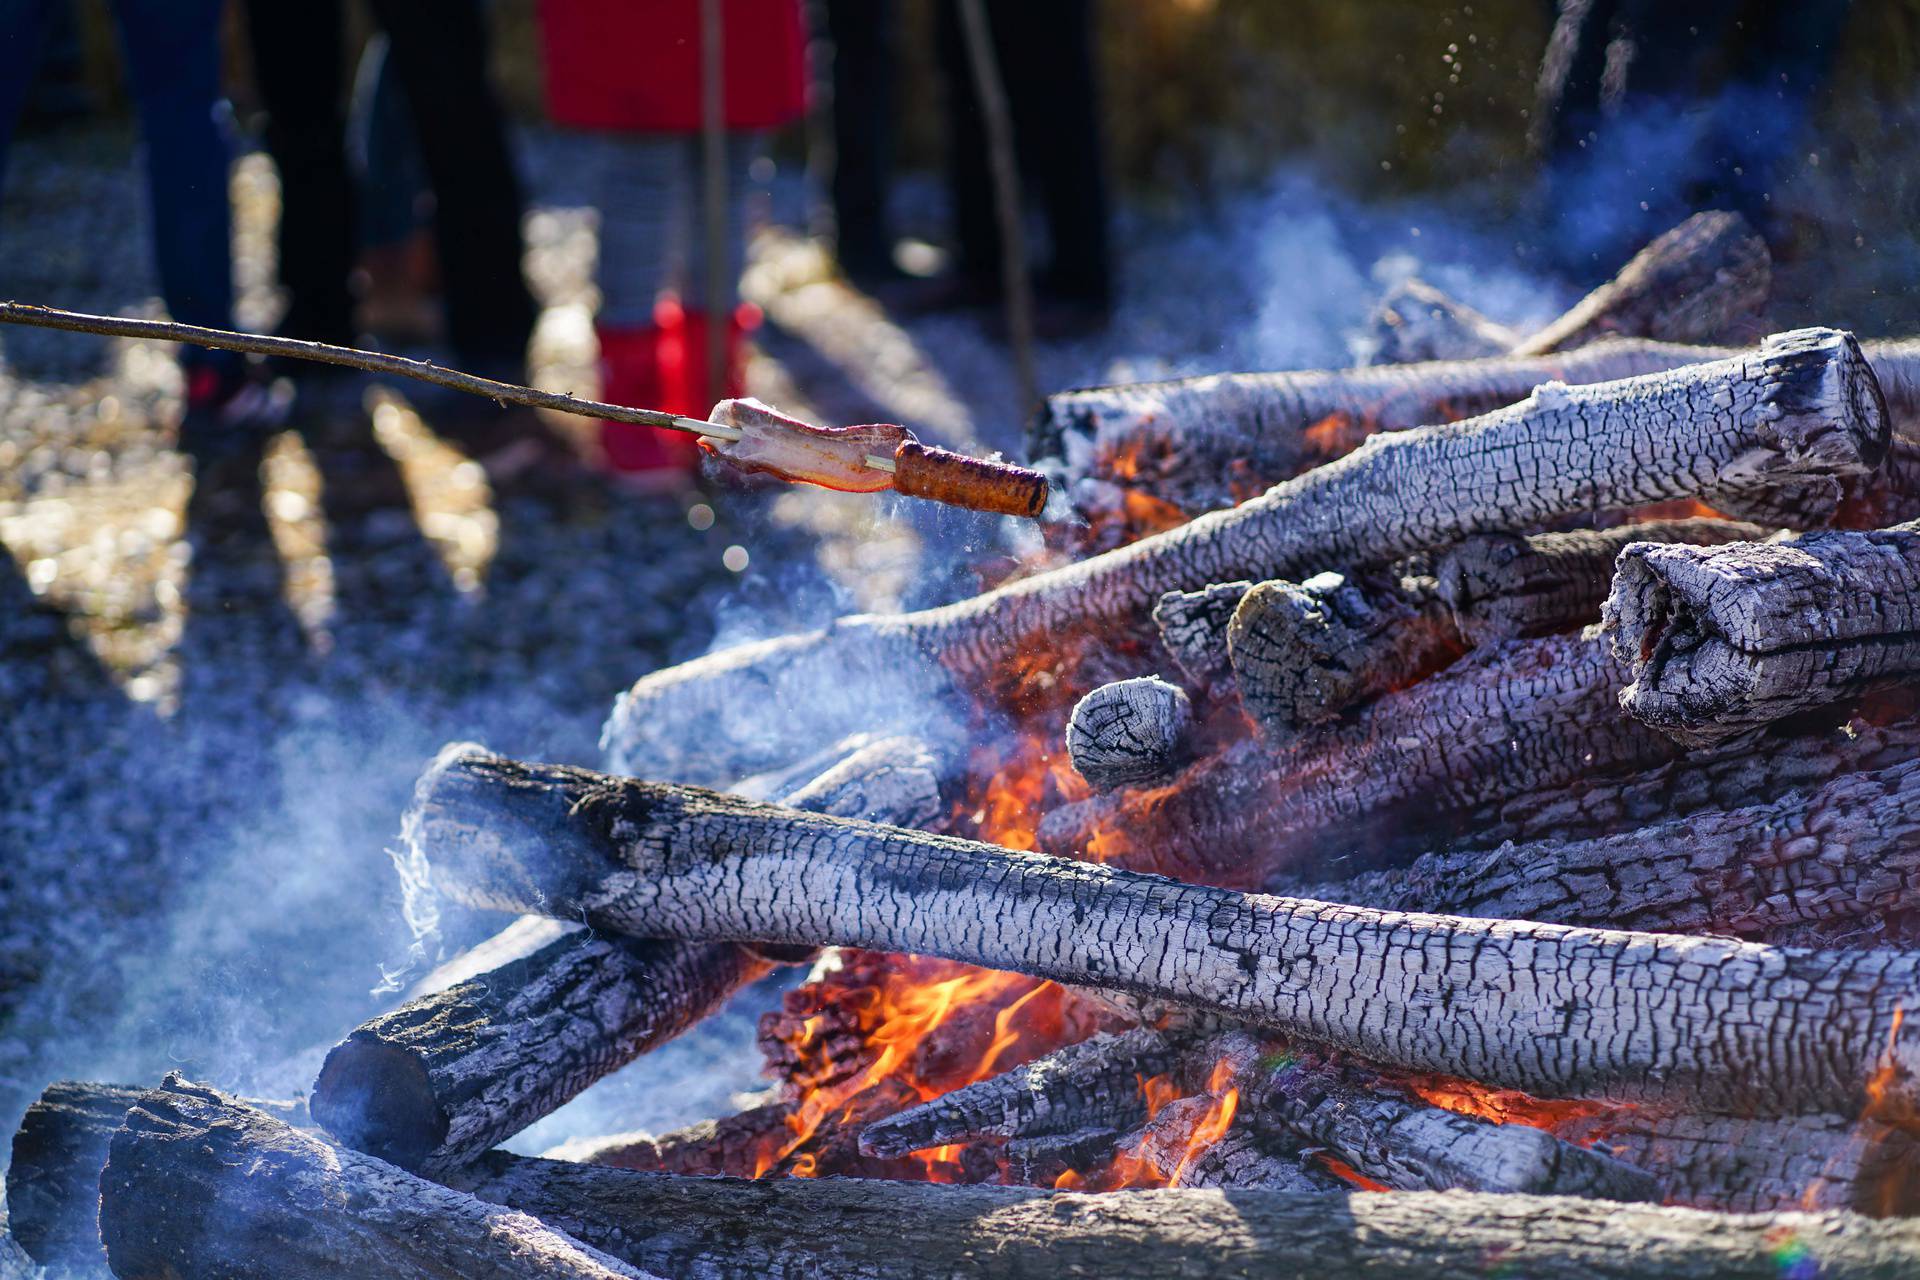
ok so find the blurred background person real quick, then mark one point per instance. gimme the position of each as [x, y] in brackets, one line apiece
[860, 35]
[437, 51]
[629, 72]
[1045, 53]
[172, 52]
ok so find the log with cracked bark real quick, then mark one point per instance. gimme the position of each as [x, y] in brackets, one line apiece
[1834, 860]
[1396, 778]
[435, 1082]
[1746, 1165]
[1554, 1011]
[1504, 586]
[839, 1229]
[1701, 281]
[1129, 732]
[1725, 639]
[1803, 408]
[1192, 627]
[198, 1184]
[1203, 443]
[1304, 653]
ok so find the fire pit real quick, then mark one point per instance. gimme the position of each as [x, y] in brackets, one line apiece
[1493, 785]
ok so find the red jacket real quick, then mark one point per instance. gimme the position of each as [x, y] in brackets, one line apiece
[635, 64]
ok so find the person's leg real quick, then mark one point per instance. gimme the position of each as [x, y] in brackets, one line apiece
[724, 320]
[439, 51]
[172, 50]
[1046, 53]
[969, 175]
[298, 51]
[23, 30]
[861, 32]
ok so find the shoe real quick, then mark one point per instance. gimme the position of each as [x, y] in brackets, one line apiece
[683, 366]
[631, 373]
[228, 412]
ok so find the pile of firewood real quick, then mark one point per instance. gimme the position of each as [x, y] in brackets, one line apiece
[1576, 730]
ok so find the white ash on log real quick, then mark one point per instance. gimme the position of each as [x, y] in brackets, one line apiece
[1129, 732]
[1512, 721]
[1204, 443]
[1245, 1159]
[1505, 586]
[1302, 654]
[1841, 857]
[198, 1184]
[1407, 1144]
[1193, 630]
[1803, 409]
[433, 1083]
[1553, 1011]
[842, 1228]
[1701, 281]
[1746, 1165]
[1725, 639]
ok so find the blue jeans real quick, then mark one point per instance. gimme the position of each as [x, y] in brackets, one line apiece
[172, 53]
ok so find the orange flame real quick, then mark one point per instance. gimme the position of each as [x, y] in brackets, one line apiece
[1502, 1106]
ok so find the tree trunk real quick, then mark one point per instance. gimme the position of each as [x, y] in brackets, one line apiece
[1836, 860]
[1804, 408]
[1552, 1011]
[1302, 654]
[1203, 443]
[435, 1082]
[1725, 639]
[1501, 723]
[200, 1184]
[839, 1229]
[1505, 586]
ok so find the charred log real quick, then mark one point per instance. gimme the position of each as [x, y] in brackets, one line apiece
[1698, 282]
[1193, 629]
[843, 1228]
[1503, 586]
[1725, 639]
[1553, 1011]
[1395, 779]
[1803, 409]
[53, 1182]
[1304, 653]
[435, 1082]
[1841, 857]
[199, 1184]
[1129, 732]
[1414, 321]
[733, 1146]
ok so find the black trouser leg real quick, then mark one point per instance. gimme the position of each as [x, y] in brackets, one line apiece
[861, 32]
[439, 51]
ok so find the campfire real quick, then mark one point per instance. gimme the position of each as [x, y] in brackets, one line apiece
[1424, 818]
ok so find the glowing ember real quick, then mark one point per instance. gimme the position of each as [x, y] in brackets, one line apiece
[1502, 1106]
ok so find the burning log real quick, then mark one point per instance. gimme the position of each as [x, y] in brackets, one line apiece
[1093, 1084]
[1841, 858]
[53, 1182]
[1200, 444]
[1725, 639]
[200, 1184]
[1193, 630]
[1503, 586]
[1517, 720]
[1695, 283]
[1128, 732]
[1303, 654]
[731, 1146]
[1804, 409]
[838, 1229]
[1553, 1011]
[1745, 1165]
[1404, 1143]
[435, 1082]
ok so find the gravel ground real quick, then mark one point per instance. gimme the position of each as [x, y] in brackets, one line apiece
[215, 694]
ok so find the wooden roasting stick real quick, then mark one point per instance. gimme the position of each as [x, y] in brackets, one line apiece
[1555, 1012]
[745, 432]
[1802, 409]
[433, 1083]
